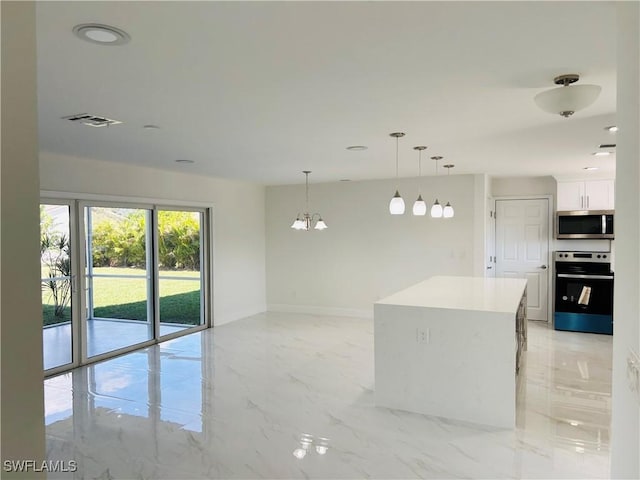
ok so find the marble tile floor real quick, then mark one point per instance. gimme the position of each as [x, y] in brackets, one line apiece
[291, 396]
[103, 335]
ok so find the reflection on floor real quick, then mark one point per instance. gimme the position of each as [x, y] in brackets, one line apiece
[291, 396]
[103, 336]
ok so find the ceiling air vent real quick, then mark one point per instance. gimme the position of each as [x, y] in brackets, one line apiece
[608, 145]
[91, 120]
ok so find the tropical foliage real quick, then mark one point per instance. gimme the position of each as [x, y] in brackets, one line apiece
[123, 243]
[55, 264]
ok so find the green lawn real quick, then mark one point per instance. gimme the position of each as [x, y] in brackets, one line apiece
[126, 298]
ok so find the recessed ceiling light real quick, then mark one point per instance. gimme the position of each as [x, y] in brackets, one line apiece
[101, 34]
[590, 168]
[151, 127]
[611, 128]
[357, 148]
[602, 154]
[184, 160]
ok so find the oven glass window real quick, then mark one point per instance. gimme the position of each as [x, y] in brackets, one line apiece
[584, 296]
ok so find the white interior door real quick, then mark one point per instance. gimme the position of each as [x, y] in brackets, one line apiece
[522, 249]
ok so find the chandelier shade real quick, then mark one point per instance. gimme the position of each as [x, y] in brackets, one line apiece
[567, 99]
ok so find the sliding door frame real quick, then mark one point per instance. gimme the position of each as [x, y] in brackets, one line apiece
[76, 308]
[78, 202]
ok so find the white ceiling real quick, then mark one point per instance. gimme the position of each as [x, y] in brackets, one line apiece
[259, 91]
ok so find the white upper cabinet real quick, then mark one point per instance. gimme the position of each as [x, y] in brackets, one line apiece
[585, 195]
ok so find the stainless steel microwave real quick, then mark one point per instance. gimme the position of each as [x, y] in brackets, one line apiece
[584, 224]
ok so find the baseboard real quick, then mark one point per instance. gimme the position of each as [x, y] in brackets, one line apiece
[220, 318]
[314, 310]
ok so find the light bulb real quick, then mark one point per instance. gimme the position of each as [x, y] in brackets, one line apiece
[419, 207]
[448, 211]
[436, 210]
[321, 449]
[396, 205]
[299, 453]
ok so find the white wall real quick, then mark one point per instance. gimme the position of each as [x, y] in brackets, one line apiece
[506, 186]
[22, 389]
[482, 196]
[366, 253]
[625, 425]
[239, 220]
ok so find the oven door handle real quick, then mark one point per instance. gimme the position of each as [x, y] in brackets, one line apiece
[592, 277]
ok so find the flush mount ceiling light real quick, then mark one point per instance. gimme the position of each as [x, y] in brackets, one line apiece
[303, 222]
[567, 99]
[590, 168]
[611, 128]
[396, 205]
[419, 206]
[101, 34]
[602, 154]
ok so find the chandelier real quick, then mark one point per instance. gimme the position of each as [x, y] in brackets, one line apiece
[303, 222]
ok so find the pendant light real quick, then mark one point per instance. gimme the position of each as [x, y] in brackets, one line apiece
[303, 222]
[448, 209]
[396, 205]
[419, 206]
[436, 209]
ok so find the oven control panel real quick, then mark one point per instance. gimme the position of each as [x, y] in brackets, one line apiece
[591, 257]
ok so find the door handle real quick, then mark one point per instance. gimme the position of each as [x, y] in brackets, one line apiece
[543, 267]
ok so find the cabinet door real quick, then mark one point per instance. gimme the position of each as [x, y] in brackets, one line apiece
[570, 196]
[599, 195]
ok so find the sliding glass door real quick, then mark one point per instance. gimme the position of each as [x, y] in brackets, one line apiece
[144, 276]
[179, 262]
[56, 283]
[117, 278]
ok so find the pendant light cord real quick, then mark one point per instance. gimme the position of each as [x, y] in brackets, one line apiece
[306, 174]
[397, 160]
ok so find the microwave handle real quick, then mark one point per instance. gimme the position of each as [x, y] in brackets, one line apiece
[604, 224]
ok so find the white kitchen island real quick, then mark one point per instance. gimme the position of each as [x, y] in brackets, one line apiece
[449, 347]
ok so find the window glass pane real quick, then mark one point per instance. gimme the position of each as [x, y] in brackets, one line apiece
[55, 282]
[179, 262]
[118, 280]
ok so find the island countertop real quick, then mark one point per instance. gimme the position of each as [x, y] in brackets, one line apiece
[462, 293]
